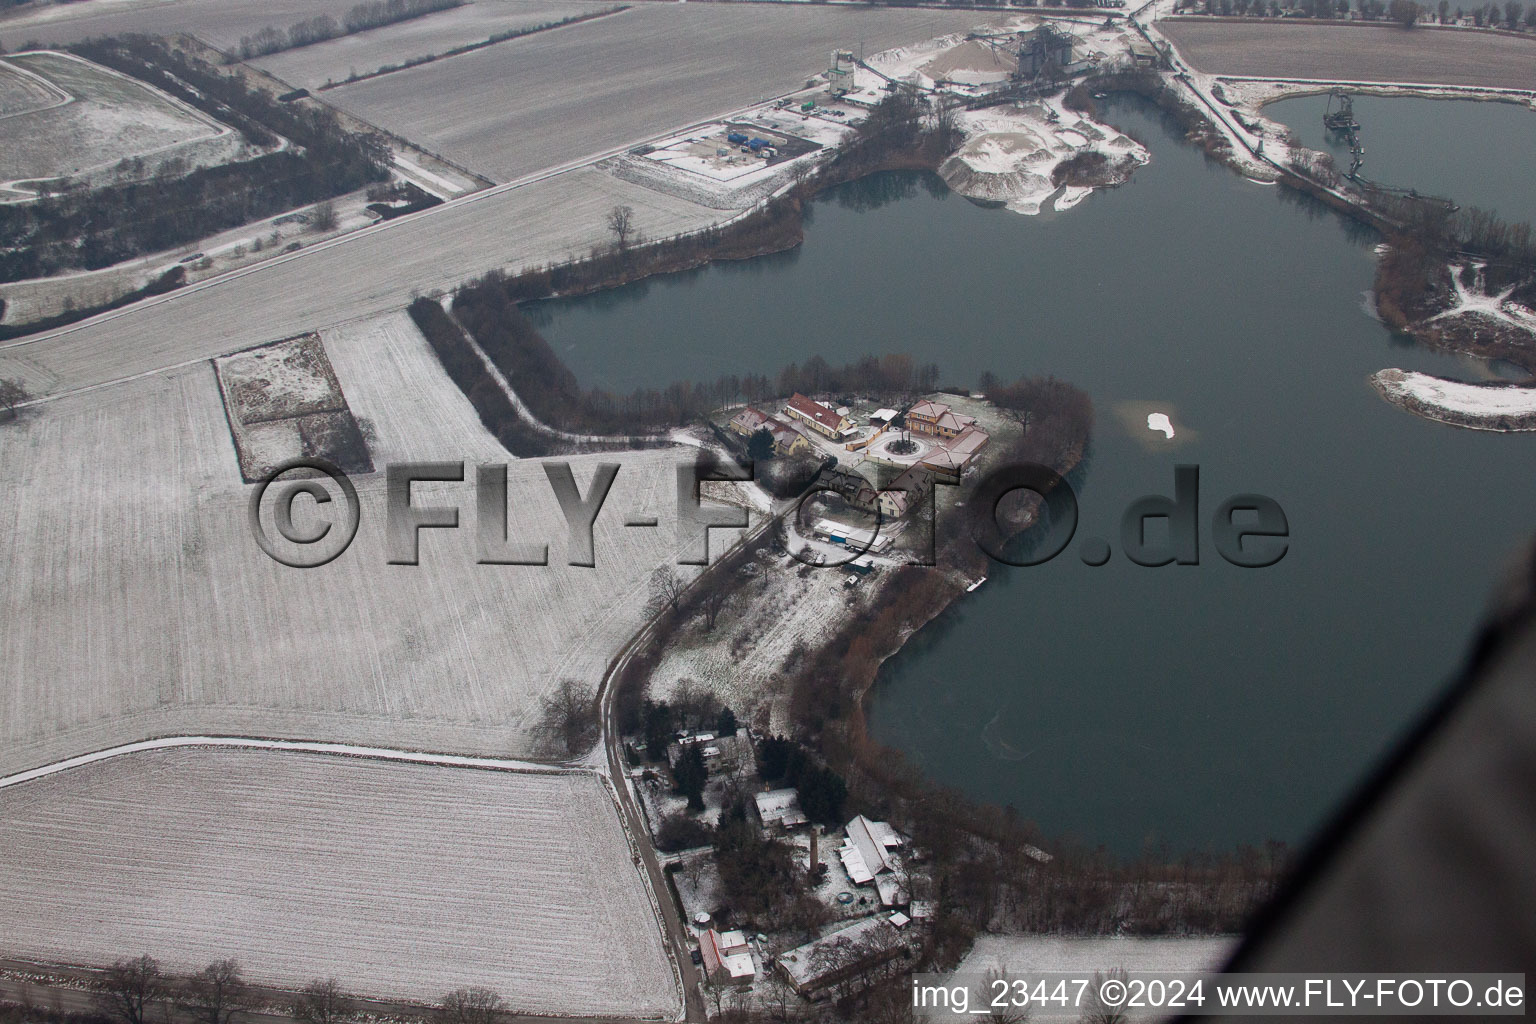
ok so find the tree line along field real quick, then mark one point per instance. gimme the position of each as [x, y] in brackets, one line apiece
[138, 604]
[218, 22]
[1355, 53]
[401, 880]
[109, 117]
[528, 104]
[298, 155]
[311, 67]
[544, 221]
[361, 275]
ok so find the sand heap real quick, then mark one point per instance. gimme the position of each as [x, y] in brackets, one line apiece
[1011, 152]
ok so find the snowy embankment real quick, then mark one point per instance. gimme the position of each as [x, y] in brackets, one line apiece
[400, 880]
[1503, 407]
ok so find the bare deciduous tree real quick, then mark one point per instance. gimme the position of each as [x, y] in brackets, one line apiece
[800, 172]
[130, 987]
[321, 1002]
[716, 599]
[570, 714]
[215, 994]
[323, 217]
[470, 1006]
[12, 394]
[621, 221]
[780, 1002]
[666, 588]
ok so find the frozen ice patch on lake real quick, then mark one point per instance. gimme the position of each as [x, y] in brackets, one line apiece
[1160, 421]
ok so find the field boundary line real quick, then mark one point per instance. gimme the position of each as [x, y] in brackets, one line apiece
[301, 746]
[496, 190]
[467, 48]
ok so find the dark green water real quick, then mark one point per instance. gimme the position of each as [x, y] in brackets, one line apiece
[1479, 154]
[1198, 706]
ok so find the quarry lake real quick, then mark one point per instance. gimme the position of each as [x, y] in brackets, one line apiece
[1479, 154]
[1192, 706]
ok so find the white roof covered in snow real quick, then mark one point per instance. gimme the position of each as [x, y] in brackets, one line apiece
[853, 863]
[739, 965]
[890, 890]
[798, 961]
[780, 806]
[873, 840]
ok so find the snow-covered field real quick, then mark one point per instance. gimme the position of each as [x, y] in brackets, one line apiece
[310, 67]
[284, 403]
[1282, 48]
[220, 22]
[400, 880]
[1481, 406]
[110, 117]
[531, 103]
[1025, 953]
[137, 603]
[359, 275]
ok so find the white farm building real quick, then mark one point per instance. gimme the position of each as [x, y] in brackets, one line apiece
[870, 855]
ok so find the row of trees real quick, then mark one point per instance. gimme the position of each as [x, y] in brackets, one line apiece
[91, 228]
[1510, 15]
[359, 18]
[464, 368]
[902, 130]
[488, 310]
[130, 992]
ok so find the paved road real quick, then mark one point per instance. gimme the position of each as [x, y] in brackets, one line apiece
[677, 930]
[677, 933]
